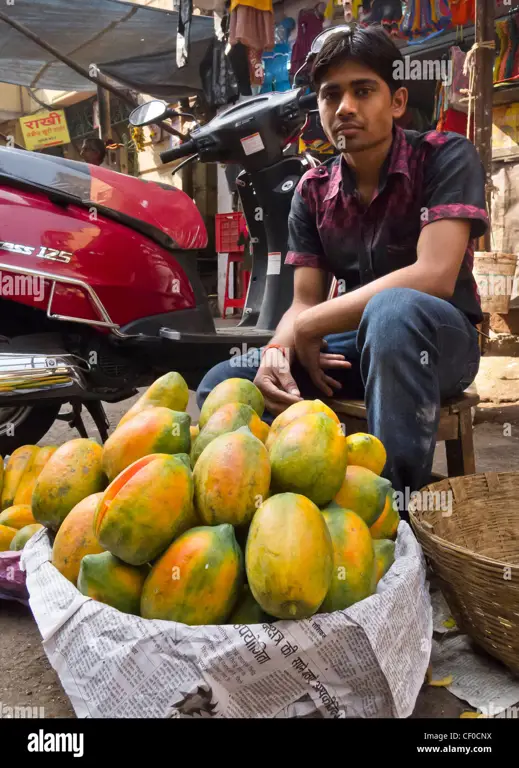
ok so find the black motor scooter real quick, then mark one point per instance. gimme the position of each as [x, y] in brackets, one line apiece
[254, 134]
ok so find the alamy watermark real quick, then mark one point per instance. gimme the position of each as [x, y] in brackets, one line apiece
[56, 742]
[22, 285]
[428, 69]
[495, 285]
[274, 357]
[509, 713]
[20, 712]
[424, 501]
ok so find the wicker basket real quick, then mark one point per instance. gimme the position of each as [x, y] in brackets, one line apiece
[473, 549]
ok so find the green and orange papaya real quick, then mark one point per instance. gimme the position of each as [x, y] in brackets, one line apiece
[153, 430]
[18, 463]
[7, 534]
[227, 419]
[25, 488]
[289, 557]
[295, 411]
[76, 538]
[384, 557]
[110, 581]
[197, 580]
[23, 535]
[17, 516]
[232, 478]
[309, 457]
[148, 505]
[233, 390]
[386, 526]
[73, 472]
[364, 492]
[169, 391]
[353, 559]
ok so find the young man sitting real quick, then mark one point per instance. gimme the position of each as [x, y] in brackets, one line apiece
[394, 218]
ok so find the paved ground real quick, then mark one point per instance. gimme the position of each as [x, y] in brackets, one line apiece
[26, 678]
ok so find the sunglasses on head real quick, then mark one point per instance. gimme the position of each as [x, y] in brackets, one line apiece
[319, 41]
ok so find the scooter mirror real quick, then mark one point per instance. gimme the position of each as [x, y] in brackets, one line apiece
[149, 113]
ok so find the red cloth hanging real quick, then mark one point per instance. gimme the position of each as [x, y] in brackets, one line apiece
[463, 12]
[456, 122]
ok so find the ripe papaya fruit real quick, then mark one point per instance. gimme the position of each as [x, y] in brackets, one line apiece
[169, 391]
[233, 390]
[73, 472]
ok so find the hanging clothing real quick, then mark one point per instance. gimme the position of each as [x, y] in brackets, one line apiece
[356, 7]
[500, 51]
[239, 59]
[309, 25]
[256, 70]
[515, 67]
[513, 31]
[463, 12]
[185, 13]
[454, 122]
[253, 28]
[217, 76]
[507, 51]
[259, 5]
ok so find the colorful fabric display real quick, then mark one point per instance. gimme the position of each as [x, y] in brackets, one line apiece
[252, 23]
[507, 49]
[309, 25]
[513, 31]
[463, 12]
[506, 65]
[423, 19]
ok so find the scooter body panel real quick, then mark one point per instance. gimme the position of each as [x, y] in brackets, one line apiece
[133, 276]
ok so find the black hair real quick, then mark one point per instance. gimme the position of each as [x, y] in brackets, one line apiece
[95, 144]
[370, 46]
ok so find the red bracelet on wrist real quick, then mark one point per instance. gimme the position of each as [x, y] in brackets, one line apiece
[274, 346]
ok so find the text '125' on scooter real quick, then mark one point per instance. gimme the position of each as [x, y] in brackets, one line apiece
[99, 291]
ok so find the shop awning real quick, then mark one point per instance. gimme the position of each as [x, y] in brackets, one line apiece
[132, 43]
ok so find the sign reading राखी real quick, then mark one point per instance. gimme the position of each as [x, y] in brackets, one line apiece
[45, 129]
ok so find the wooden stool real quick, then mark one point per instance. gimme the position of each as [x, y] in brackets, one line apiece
[455, 428]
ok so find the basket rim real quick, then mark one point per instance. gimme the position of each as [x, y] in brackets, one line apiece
[434, 538]
[456, 548]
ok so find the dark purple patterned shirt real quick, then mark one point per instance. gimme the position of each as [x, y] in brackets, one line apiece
[426, 177]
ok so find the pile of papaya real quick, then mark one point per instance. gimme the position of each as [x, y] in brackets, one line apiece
[229, 521]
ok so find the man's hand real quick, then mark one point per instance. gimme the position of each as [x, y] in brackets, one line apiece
[308, 347]
[275, 381]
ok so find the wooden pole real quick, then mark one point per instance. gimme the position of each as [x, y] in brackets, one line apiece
[484, 64]
[105, 121]
[94, 77]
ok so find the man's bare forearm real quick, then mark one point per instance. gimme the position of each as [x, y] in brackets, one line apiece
[284, 335]
[441, 248]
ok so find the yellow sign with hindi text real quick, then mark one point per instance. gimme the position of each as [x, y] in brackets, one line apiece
[45, 129]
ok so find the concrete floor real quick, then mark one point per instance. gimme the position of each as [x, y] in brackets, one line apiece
[27, 679]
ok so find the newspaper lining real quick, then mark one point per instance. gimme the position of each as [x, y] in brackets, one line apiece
[367, 661]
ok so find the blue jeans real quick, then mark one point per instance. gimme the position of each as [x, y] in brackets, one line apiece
[410, 352]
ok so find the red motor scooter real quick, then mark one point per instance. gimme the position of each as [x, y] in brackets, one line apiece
[99, 291]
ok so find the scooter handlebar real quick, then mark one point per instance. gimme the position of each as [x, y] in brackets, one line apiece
[185, 149]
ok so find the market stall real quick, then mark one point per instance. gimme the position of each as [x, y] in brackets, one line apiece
[238, 569]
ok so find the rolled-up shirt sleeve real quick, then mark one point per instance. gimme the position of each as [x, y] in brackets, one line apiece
[454, 184]
[304, 244]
